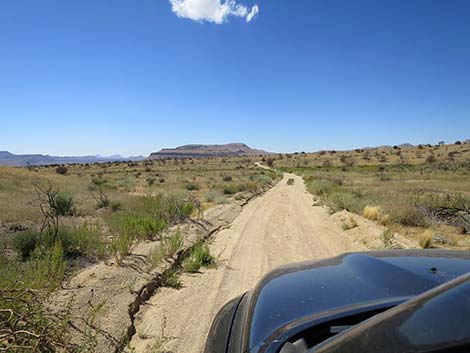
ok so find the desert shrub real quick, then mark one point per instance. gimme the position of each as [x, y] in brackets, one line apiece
[62, 170]
[173, 244]
[161, 180]
[425, 240]
[97, 186]
[21, 311]
[192, 187]
[387, 238]
[25, 242]
[443, 201]
[383, 177]
[146, 217]
[344, 200]
[321, 187]
[121, 245]
[116, 206]
[406, 214]
[430, 159]
[87, 241]
[270, 162]
[262, 179]
[171, 279]
[348, 161]
[230, 189]
[151, 181]
[63, 205]
[175, 207]
[143, 226]
[215, 196]
[199, 256]
[25, 285]
[350, 223]
[83, 241]
[227, 178]
[290, 181]
[44, 269]
[371, 212]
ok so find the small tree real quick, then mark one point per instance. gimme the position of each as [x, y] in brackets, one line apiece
[62, 170]
[97, 185]
[430, 159]
[53, 204]
[151, 181]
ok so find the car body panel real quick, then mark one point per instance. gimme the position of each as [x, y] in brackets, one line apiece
[436, 321]
[294, 296]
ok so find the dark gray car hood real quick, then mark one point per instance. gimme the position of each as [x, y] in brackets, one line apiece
[291, 293]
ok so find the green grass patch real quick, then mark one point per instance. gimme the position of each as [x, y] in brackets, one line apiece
[199, 256]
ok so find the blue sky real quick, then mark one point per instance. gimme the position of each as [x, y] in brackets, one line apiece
[131, 77]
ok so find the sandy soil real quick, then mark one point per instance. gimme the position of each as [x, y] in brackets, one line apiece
[280, 227]
[99, 296]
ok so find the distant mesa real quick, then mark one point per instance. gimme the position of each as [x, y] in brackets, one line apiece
[201, 151]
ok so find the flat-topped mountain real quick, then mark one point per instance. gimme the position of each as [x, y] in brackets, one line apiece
[200, 151]
[21, 160]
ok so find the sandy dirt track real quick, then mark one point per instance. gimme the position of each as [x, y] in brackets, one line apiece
[280, 227]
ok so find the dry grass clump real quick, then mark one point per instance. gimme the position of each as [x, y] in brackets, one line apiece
[350, 223]
[388, 238]
[425, 241]
[371, 212]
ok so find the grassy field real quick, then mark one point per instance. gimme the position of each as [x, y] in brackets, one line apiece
[426, 198]
[54, 219]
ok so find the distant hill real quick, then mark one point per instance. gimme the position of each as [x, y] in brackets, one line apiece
[21, 160]
[200, 151]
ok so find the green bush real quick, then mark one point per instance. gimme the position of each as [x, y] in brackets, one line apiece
[262, 179]
[321, 187]
[192, 187]
[62, 169]
[63, 205]
[168, 248]
[230, 189]
[88, 242]
[151, 181]
[406, 214]
[146, 217]
[121, 245]
[214, 196]
[45, 269]
[171, 279]
[199, 257]
[345, 200]
[25, 242]
[83, 241]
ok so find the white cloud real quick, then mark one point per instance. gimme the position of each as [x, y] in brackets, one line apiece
[254, 11]
[216, 11]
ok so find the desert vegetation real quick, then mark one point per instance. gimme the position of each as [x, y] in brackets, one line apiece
[399, 187]
[56, 220]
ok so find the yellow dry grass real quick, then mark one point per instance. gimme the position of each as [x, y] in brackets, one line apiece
[425, 240]
[371, 212]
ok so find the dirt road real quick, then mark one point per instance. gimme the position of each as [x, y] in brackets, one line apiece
[277, 228]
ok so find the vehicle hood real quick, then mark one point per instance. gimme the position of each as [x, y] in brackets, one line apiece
[291, 293]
